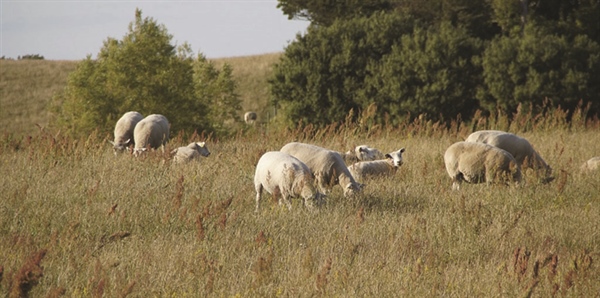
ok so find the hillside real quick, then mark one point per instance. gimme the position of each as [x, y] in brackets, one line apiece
[26, 87]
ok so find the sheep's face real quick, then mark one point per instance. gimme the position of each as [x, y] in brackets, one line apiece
[353, 189]
[364, 153]
[119, 147]
[396, 157]
[202, 149]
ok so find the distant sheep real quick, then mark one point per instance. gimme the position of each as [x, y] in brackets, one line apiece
[285, 176]
[191, 152]
[250, 117]
[387, 166]
[592, 164]
[124, 131]
[327, 166]
[518, 147]
[151, 132]
[479, 162]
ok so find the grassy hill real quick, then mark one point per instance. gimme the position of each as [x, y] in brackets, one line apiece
[77, 221]
[26, 87]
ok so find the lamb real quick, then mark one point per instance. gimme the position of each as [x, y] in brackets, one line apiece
[390, 165]
[327, 166]
[518, 147]
[285, 176]
[124, 131]
[592, 164]
[193, 151]
[151, 132]
[250, 117]
[479, 162]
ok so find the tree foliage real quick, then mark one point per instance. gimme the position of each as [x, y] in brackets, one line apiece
[537, 66]
[319, 75]
[439, 57]
[144, 72]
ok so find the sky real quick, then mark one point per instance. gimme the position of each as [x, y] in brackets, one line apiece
[73, 29]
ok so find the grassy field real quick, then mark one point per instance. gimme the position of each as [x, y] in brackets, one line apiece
[77, 221]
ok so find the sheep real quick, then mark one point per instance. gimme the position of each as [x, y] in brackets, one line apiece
[479, 162]
[124, 131]
[193, 151]
[518, 147]
[152, 131]
[284, 176]
[361, 153]
[327, 166]
[250, 117]
[591, 165]
[389, 165]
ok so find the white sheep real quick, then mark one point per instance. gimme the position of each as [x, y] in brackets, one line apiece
[592, 164]
[151, 132]
[124, 131]
[361, 153]
[518, 147]
[193, 151]
[250, 117]
[479, 162]
[327, 166]
[389, 165]
[285, 176]
[365, 153]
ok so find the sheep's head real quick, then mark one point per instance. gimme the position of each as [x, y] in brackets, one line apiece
[396, 157]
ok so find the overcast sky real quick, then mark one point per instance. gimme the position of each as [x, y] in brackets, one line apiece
[72, 29]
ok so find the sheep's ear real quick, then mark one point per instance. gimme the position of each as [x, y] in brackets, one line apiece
[388, 156]
[402, 150]
[362, 149]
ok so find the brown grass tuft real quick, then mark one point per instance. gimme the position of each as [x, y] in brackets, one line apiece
[201, 233]
[56, 292]
[261, 238]
[321, 282]
[520, 262]
[28, 276]
[128, 289]
[112, 209]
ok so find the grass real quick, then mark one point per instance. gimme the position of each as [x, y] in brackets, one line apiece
[77, 221]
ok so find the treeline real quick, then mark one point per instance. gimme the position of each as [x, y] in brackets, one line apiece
[439, 58]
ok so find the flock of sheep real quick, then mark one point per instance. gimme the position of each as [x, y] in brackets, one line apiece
[310, 172]
[151, 132]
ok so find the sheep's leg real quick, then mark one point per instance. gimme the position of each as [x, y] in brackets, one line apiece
[287, 201]
[259, 189]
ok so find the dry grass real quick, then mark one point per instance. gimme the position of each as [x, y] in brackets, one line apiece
[123, 226]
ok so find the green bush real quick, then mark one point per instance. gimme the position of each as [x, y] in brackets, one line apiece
[145, 73]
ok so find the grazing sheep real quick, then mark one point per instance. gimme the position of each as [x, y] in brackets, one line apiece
[285, 176]
[250, 117]
[361, 153]
[193, 151]
[365, 153]
[124, 131]
[518, 147]
[152, 132]
[327, 166]
[479, 162]
[592, 164]
[389, 165]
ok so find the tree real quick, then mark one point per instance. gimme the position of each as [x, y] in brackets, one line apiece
[143, 72]
[540, 65]
[325, 13]
[318, 78]
[431, 71]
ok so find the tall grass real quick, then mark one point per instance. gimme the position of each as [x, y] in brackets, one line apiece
[78, 221]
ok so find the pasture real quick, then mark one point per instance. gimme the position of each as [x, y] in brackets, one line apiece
[77, 221]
